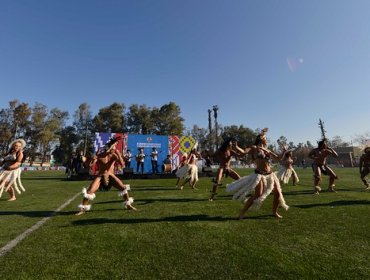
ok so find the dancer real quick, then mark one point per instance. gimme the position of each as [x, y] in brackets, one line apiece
[192, 169]
[224, 154]
[182, 170]
[10, 171]
[286, 170]
[262, 182]
[105, 161]
[365, 167]
[319, 166]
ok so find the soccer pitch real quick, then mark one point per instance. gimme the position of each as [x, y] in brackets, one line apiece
[181, 235]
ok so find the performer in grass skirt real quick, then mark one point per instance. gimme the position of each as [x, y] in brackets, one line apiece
[252, 190]
[286, 170]
[10, 171]
[105, 160]
[192, 168]
[182, 170]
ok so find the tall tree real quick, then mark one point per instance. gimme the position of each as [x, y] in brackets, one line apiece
[110, 118]
[6, 130]
[84, 128]
[68, 140]
[49, 136]
[168, 120]
[244, 135]
[38, 120]
[13, 123]
[21, 115]
[200, 135]
[362, 140]
[140, 119]
[337, 142]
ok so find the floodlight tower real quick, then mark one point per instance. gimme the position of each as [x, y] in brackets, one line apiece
[215, 109]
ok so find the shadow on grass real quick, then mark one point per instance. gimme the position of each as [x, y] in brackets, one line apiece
[335, 203]
[36, 214]
[43, 178]
[152, 200]
[286, 193]
[152, 188]
[310, 192]
[185, 218]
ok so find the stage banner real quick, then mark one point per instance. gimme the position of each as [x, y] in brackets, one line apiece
[101, 138]
[147, 142]
[178, 145]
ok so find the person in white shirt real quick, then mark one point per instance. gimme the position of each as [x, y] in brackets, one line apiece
[140, 158]
[154, 156]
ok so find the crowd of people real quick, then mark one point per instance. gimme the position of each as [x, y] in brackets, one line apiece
[251, 190]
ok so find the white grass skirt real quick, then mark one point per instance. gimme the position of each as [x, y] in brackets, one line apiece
[9, 178]
[247, 184]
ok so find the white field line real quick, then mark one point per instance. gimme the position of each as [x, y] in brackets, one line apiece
[36, 226]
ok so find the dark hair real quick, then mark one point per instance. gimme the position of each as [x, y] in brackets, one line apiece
[112, 141]
[226, 144]
[288, 153]
[322, 142]
[258, 140]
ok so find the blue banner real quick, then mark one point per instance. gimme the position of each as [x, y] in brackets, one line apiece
[147, 143]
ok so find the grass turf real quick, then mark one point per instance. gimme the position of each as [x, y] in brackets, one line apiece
[181, 235]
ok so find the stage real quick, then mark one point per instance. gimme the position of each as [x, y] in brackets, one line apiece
[130, 175]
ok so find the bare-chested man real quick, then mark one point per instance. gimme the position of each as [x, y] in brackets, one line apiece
[105, 161]
[319, 166]
[365, 167]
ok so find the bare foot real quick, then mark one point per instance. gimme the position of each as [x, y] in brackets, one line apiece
[12, 198]
[182, 187]
[130, 207]
[80, 213]
[277, 215]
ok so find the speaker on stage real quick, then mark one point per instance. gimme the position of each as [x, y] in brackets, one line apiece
[128, 171]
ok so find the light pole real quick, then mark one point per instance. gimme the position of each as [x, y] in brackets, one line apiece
[215, 109]
[210, 141]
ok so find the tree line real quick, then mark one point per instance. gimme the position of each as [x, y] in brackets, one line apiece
[46, 131]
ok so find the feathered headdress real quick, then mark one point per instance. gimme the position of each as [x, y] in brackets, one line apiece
[112, 141]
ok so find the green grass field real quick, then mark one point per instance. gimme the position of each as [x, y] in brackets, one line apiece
[181, 235]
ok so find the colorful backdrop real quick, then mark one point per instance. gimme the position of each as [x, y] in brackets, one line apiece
[166, 145]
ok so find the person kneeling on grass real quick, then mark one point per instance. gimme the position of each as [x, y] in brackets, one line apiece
[105, 160]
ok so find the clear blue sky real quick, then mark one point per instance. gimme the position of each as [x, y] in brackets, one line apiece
[280, 64]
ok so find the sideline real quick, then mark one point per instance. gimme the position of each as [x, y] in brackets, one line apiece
[36, 226]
